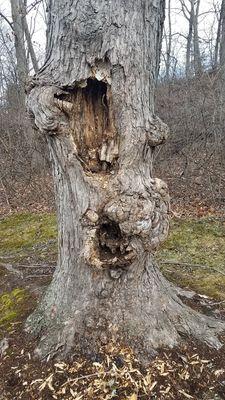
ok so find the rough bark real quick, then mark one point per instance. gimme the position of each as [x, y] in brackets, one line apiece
[94, 99]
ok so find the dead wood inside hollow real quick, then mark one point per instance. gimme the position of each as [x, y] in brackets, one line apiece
[92, 125]
[114, 248]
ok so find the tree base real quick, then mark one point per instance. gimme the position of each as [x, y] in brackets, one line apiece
[146, 314]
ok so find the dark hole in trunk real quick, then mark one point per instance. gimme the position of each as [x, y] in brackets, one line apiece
[112, 244]
[96, 90]
[92, 125]
[109, 236]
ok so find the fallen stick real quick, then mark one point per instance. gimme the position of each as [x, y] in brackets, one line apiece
[37, 276]
[36, 266]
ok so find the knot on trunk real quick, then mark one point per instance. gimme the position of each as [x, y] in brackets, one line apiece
[158, 132]
[50, 109]
[142, 216]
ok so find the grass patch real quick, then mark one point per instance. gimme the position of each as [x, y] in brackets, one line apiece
[196, 242]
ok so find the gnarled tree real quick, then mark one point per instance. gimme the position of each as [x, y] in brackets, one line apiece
[94, 99]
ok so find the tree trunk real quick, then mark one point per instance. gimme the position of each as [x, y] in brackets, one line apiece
[222, 34]
[218, 35]
[190, 19]
[22, 67]
[94, 99]
[28, 37]
[168, 42]
[197, 54]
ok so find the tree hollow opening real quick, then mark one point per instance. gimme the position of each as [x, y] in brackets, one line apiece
[93, 127]
[114, 249]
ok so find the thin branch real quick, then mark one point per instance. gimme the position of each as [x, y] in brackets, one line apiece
[7, 20]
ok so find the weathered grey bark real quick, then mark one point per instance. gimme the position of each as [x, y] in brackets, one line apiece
[94, 99]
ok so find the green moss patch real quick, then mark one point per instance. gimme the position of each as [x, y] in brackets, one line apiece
[32, 237]
[196, 242]
[21, 234]
[12, 306]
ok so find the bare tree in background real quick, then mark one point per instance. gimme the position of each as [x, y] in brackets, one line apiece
[190, 10]
[168, 40]
[22, 34]
[195, 4]
[21, 154]
[19, 37]
[222, 35]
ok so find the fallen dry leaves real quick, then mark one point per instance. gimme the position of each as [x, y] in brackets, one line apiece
[116, 374]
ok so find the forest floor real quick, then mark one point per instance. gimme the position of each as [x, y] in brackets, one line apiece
[193, 256]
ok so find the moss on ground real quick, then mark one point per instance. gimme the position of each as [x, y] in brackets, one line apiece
[27, 233]
[31, 237]
[196, 242]
[12, 306]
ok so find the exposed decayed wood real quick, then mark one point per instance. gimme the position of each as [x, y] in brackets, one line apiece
[94, 100]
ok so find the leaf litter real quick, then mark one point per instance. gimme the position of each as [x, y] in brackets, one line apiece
[191, 371]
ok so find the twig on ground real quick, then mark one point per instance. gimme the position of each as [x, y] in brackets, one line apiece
[36, 266]
[38, 276]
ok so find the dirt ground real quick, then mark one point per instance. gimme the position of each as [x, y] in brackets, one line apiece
[190, 371]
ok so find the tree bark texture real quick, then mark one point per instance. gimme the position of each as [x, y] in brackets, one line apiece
[94, 99]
